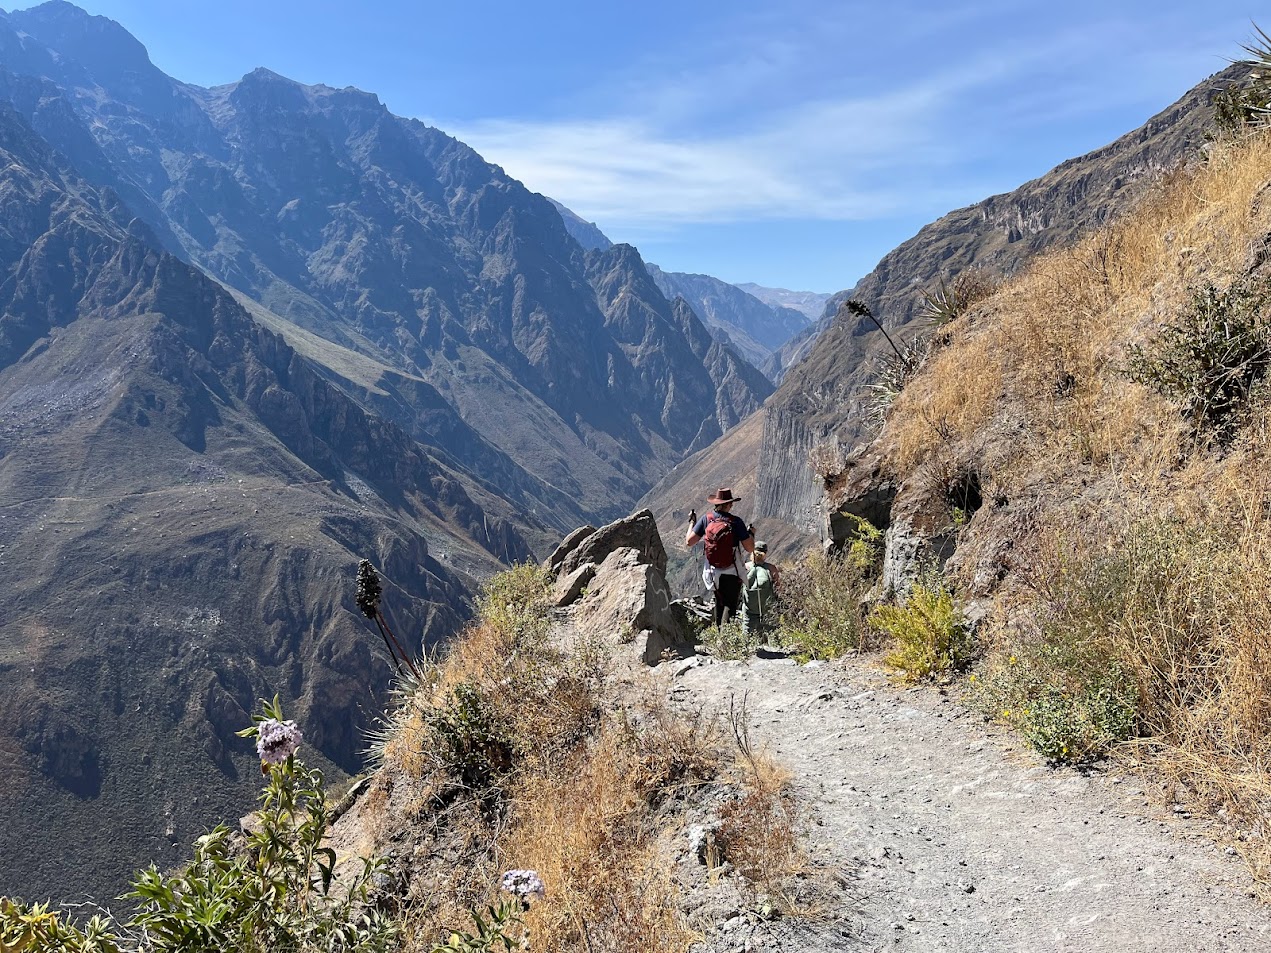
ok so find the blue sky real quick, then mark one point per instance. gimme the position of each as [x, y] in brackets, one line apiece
[791, 144]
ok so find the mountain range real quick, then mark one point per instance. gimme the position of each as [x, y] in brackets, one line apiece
[253, 333]
[755, 320]
[250, 335]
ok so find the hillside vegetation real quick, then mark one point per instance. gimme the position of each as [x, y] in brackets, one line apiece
[1109, 410]
[526, 789]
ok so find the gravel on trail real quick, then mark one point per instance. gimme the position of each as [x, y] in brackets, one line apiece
[953, 836]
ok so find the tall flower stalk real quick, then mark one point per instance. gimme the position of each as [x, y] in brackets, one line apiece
[368, 596]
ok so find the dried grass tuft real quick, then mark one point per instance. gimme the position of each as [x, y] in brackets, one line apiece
[1150, 554]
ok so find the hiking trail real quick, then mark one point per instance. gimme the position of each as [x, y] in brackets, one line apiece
[953, 836]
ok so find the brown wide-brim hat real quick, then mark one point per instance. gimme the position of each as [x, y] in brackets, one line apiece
[723, 495]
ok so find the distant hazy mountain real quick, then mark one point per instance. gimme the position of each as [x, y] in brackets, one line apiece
[587, 234]
[755, 328]
[811, 304]
[247, 335]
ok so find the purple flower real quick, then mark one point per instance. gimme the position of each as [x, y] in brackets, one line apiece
[524, 884]
[276, 741]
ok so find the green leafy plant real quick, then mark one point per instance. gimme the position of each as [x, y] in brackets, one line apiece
[927, 630]
[273, 891]
[821, 609]
[35, 928]
[499, 928]
[1064, 726]
[865, 551]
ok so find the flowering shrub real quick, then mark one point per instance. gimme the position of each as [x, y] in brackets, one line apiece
[501, 928]
[276, 741]
[273, 891]
[524, 884]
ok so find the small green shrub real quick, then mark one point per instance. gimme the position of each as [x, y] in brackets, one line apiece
[821, 613]
[865, 551]
[273, 891]
[730, 641]
[1209, 360]
[470, 739]
[515, 603]
[927, 630]
[1066, 693]
[1063, 726]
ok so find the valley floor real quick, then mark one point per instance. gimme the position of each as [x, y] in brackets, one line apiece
[953, 837]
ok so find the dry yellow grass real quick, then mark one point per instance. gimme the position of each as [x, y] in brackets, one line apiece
[591, 794]
[1030, 392]
[1039, 358]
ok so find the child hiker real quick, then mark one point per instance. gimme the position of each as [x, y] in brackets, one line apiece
[760, 593]
[725, 537]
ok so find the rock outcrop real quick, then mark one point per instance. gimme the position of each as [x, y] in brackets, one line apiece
[622, 568]
[638, 531]
[567, 546]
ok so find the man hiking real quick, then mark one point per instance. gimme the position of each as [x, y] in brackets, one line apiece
[760, 593]
[724, 535]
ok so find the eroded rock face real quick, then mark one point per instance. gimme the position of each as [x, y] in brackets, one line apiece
[567, 546]
[864, 490]
[628, 600]
[638, 531]
[915, 516]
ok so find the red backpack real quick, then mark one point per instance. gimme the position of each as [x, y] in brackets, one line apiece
[720, 545]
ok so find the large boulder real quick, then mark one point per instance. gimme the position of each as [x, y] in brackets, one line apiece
[628, 601]
[638, 531]
[567, 546]
[569, 588]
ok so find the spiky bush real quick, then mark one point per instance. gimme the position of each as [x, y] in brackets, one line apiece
[1210, 359]
[949, 300]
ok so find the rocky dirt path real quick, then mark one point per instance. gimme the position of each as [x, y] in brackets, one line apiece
[954, 837]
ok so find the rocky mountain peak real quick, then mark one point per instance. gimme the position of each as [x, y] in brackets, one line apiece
[115, 59]
[587, 234]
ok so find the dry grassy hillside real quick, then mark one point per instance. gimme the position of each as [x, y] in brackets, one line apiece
[1110, 406]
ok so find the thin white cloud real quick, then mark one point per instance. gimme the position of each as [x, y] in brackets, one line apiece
[827, 159]
[910, 149]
